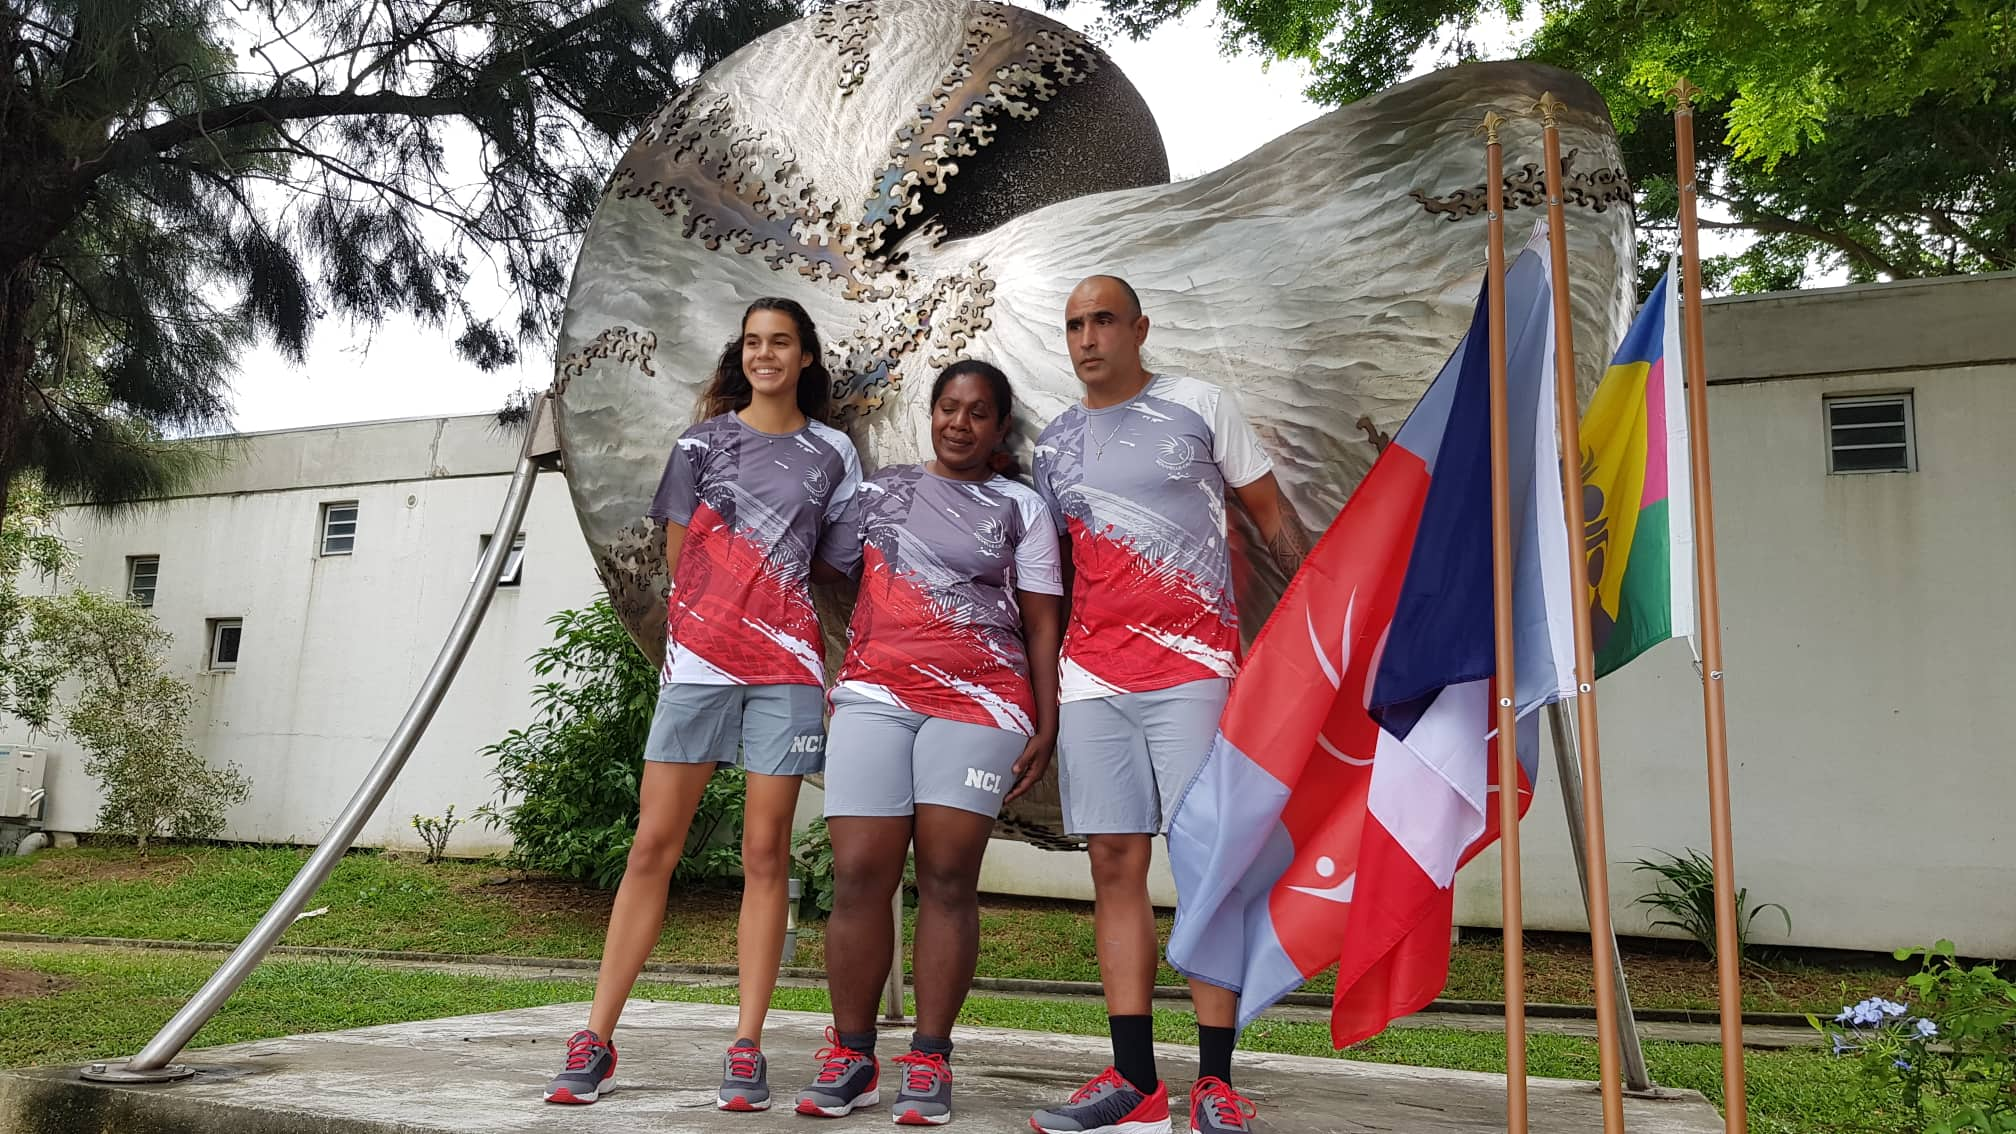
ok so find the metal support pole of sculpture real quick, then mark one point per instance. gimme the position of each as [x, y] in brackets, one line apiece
[1593, 853]
[1636, 1077]
[152, 1064]
[1728, 977]
[1505, 680]
[892, 989]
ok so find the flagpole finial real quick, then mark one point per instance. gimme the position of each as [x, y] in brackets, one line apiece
[1549, 107]
[1489, 127]
[1685, 92]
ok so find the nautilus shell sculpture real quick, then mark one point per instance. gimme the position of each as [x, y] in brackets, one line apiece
[930, 178]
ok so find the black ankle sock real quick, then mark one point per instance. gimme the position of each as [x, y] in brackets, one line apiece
[1134, 1050]
[1214, 1052]
[931, 1045]
[863, 1042]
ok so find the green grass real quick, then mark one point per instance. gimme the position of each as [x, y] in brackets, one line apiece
[384, 902]
[374, 902]
[111, 1002]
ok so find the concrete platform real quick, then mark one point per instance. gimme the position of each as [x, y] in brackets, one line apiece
[483, 1073]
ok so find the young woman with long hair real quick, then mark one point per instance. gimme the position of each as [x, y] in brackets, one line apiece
[946, 703]
[748, 499]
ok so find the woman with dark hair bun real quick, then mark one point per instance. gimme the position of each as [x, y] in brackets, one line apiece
[945, 707]
[749, 497]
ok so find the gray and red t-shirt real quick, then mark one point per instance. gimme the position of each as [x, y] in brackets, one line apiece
[936, 628]
[757, 507]
[1139, 488]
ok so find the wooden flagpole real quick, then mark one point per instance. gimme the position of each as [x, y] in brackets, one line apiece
[1596, 865]
[1501, 604]
[1735, 1104]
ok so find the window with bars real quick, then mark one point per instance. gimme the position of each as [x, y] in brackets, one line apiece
[142, 573]
[1870, 434]
[339, 527]
[225, 634]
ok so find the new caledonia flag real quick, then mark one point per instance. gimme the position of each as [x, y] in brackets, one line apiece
[1636, 491]
[1353, 770]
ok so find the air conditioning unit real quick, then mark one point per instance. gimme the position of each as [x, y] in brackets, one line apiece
[21, 772]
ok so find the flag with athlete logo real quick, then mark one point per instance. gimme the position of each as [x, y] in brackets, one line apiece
[1327, 829]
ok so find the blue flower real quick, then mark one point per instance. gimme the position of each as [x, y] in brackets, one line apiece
[1901, 1065]
[1841, 1045]
[1871, 1012]
[1926, 1029]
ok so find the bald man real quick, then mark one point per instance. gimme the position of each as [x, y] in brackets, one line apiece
[1136, 476]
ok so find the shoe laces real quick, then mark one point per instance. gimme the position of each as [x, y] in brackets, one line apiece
[835, 1058]
[581, 1049]
[924, 1069]
[1092, 1088]
[1231, 1107]
[742, 1062]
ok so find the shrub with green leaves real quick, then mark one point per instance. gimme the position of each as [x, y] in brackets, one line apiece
[1685, 894]
[96, 667]
[567, 783]
[1948, 1056]
[812, 854]
[130, 716]
[29, 547]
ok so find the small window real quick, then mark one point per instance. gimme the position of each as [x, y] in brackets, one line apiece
[1870, 434]
[514, 560]
[225, 634]
[142, 572]
[339, 528]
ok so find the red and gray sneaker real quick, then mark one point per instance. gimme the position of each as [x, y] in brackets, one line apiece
[1108, 1104]
[1215, 1108]
[745, 1079]
[925, 1098]
[846, 1082]
[590, 1073]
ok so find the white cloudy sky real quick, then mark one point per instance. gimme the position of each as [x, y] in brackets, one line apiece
[1212, 109]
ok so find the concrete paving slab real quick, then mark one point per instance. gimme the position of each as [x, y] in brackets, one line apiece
[483, 1073]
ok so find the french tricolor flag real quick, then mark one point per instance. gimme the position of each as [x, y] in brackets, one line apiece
[1354, 767]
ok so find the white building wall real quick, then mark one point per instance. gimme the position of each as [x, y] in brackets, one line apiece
[1866, 618]
[1867, 623]
[335, 646]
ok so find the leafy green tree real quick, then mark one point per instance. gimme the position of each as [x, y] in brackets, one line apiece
[181, 177]
[567, 783]
[29, 548]
[130, 715]
[1877, 137]
[95, 667]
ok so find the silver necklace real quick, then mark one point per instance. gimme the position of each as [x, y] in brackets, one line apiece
[1120, 415]
[1098, 446]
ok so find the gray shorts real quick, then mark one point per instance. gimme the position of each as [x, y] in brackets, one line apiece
[885, 760]
[772, 730]
[1123, 761]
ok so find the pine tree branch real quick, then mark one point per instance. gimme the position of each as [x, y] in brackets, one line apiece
[538, 49]
[397, 47]
[139, 146]
[286, 36]
[460, 216]
[274, 109]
